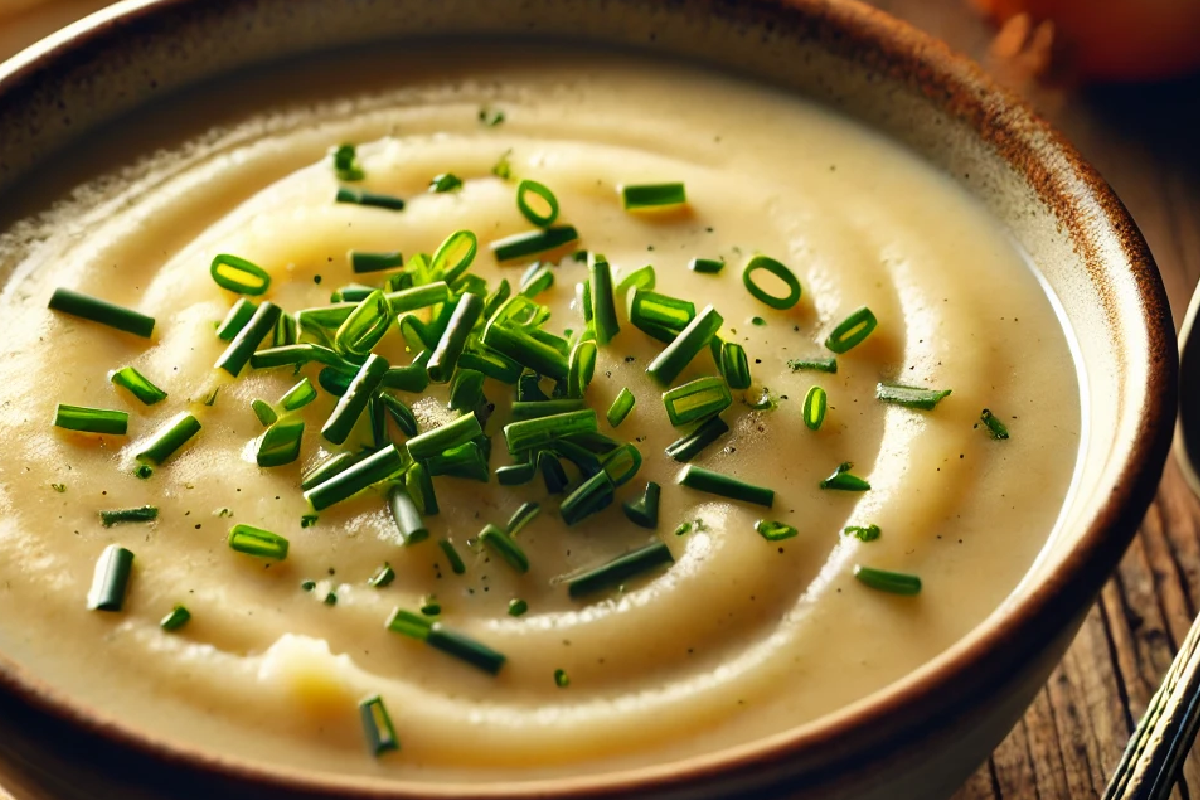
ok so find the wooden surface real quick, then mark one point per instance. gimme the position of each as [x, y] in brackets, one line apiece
[1144, 141]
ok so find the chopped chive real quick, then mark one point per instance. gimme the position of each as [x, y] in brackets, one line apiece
[994, 425]
[667, 365]
[236, 319]
[401, 414]
[363, 474]
[524, 514]
[462, 461]
[418, 297]
[326, 470]
[294, 355]
[110, 580]
[451, 552]
[444, 183]
[257, 542]
[535, 280]
[108, 518]
[547, 212]
[843, 480]
[683, 528]
[781, 272]
[581, 366]
[352, 404]
[280, 444]
[644, 196]
[517, 607]
[430, 607]
[815, 403]
[620, 408]
[640, 278]
[359, 197]
[454, 255]
[706, 266]
[96, 310]
[409, 525]
[502, 545]
[365, 326]
[886, 581]
[490, 116]
[620, 569]
[735, 366]
[531, 243]
[660, 315]
[580, 456]
[178, 617]
[604, 310]
[516, 474]
[828, 365]
[420, 488]
[490, 363]
[696, 400]
[497, 298]
[561, 679]
[774, 531]
[377, 726]
[353, 293]
[308, 585]
[345, 163]
[529, 389]
[553, 473]
[644, 510]
[262, 409]
[383, 577]
[909, 396]
[439, 440]
[248, 339]
[864, 533]
[91, 420]
[285, 331]
[314, 319]
[454, 339]
[298, 396]
[851, 331]
[465, 649]
[334, 380]
[414, 378]
[374, 262]
[706, 480]
[590, 497]
[502, 169]
[536, 433]
[143, 471]
[173, 434]
[521, 346]
[137, 384]
[407, 623]
[308, 520]
[239, 275]
[688, 447]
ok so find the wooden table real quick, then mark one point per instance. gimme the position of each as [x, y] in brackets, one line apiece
[1143, 140]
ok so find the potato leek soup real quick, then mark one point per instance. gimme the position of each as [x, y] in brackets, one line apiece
[547, 415]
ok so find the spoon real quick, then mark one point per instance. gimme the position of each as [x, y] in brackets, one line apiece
[1155, 753]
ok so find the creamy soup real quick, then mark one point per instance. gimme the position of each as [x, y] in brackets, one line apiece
[749, 618]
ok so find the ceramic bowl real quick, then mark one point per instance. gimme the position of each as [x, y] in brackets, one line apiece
[919, 738]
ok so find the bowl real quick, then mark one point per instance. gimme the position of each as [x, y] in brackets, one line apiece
[918, 738]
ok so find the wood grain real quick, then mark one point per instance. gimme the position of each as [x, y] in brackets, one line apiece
[1142, 140]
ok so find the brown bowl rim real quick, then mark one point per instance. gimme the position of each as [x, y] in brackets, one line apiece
[961, 89]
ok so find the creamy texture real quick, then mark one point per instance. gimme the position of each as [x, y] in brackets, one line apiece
[740, 638]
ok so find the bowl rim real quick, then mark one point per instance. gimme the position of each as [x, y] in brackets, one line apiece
[959, 87]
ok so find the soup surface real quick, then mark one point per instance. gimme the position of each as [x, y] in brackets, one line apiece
[740, 637]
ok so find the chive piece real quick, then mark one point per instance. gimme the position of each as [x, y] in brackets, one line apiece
[886, 581]
[139, 514]
[517, 607]
[815, 403]
[590, 497]
[330, 316]
[851, 331]
[401, 414]
[761, 262]
[430, 607]
[688, 447]
[292, 355]
[365, 326]
[642, 278]
[604, 309]
[110, 581]
[994, 425]
[173, 434]
[774, 531]
[644, 510]
[735, 366]
[96, 310]
[909, 396]
[864, 533]
[352, 404]
[706, 480]
[620, 408]
[502, 169]
[418, 297]
[465, 649]
[374, 262]
[581, 366]
[516, 474]
[758, 321]
[420, 488]
[334, 380]
[454, 255]
[236, 319]
[143, 471]
[696, 400]
[383, 577]
[444, 183]
[439, 440]
[353, 293]
[298, 396]
[137, 384]
[414, 378]
[523, 348]
[828, 365]
[377, 726]
[652, 196]
[359, 197]
[178, 617]
[548, 211]
[262, 409]
[406, 623]
[667, 365]
[463, 461]
[490, 363]
[451, 552]
[580, 456]
[91, 420]
[490, 116]
[502, 545]
[531, 243]
[284, 333]
[706, 266]
[363, 474]
[620, 569]
[622, 463]
[843, 480]
[659, 315]
[497, 298]
[535, 280]
[553, 473]
[561, 679]
[248, 339]
[308, 520]
[449, 348]
[529, 389]
[524, 514]
[345, 163]
[257, 542]
[409, 525]
[280, 444]
[239, 275]
[536, 433]
[326, 470]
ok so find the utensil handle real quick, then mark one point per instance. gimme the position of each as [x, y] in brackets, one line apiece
[1155, 753]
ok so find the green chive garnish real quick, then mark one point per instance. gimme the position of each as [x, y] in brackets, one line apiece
[406, 623]
[531, 193]
[430, 607]
[439, 440]
[537, 279]
[502, 169]
[660, 315]
[451, 552]
[353, 293]
[137, 384]
[418, 297]
[262, 409]
[524, 514]
[842, 480]
[490, 116]
[143, 471]
[885, 581]
[383, 577]
[414, 378]
[688, 447]
[236, 319]
[309, 520]
[774, 531]
[108, 518]
[645, 196]
[97, 310]
[909, 396]
[533, 434]
[110, 581]
[463, 461]
[446, 182]
[420, 488]
[366, 473]
[280, 444]
[604, 310]
[516, 474]
[517, 607]
[249, 337]
[371, 199]
[521, 346]
[178, 617]
[851, 331]
[449, 348]
[553, 473]
[620, 569]
[239, 275]
[994, 425]
[864, 533]
[377, 726]
[705, 480]
[327, 469]
[345, 163]
[374, 262]
[285, 331]
[465, 649]
[352, 404]
[592, 496]
[298, 396]
[620, 408]
[334, 380]
[707, 266]
[581, 366]
[828, 365]
[532, 243]
[365, 326]
[815, 403]
[91, 420]
[644, 510]
[174, 434]
[490, 363]
[781, 302]
[401, 414]
[640, 278]
[561, 680]
[667, 365]
[502, 545]
[454, 256]
[295, 355]
[696, 400]
[257, 542]
[735, 366]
